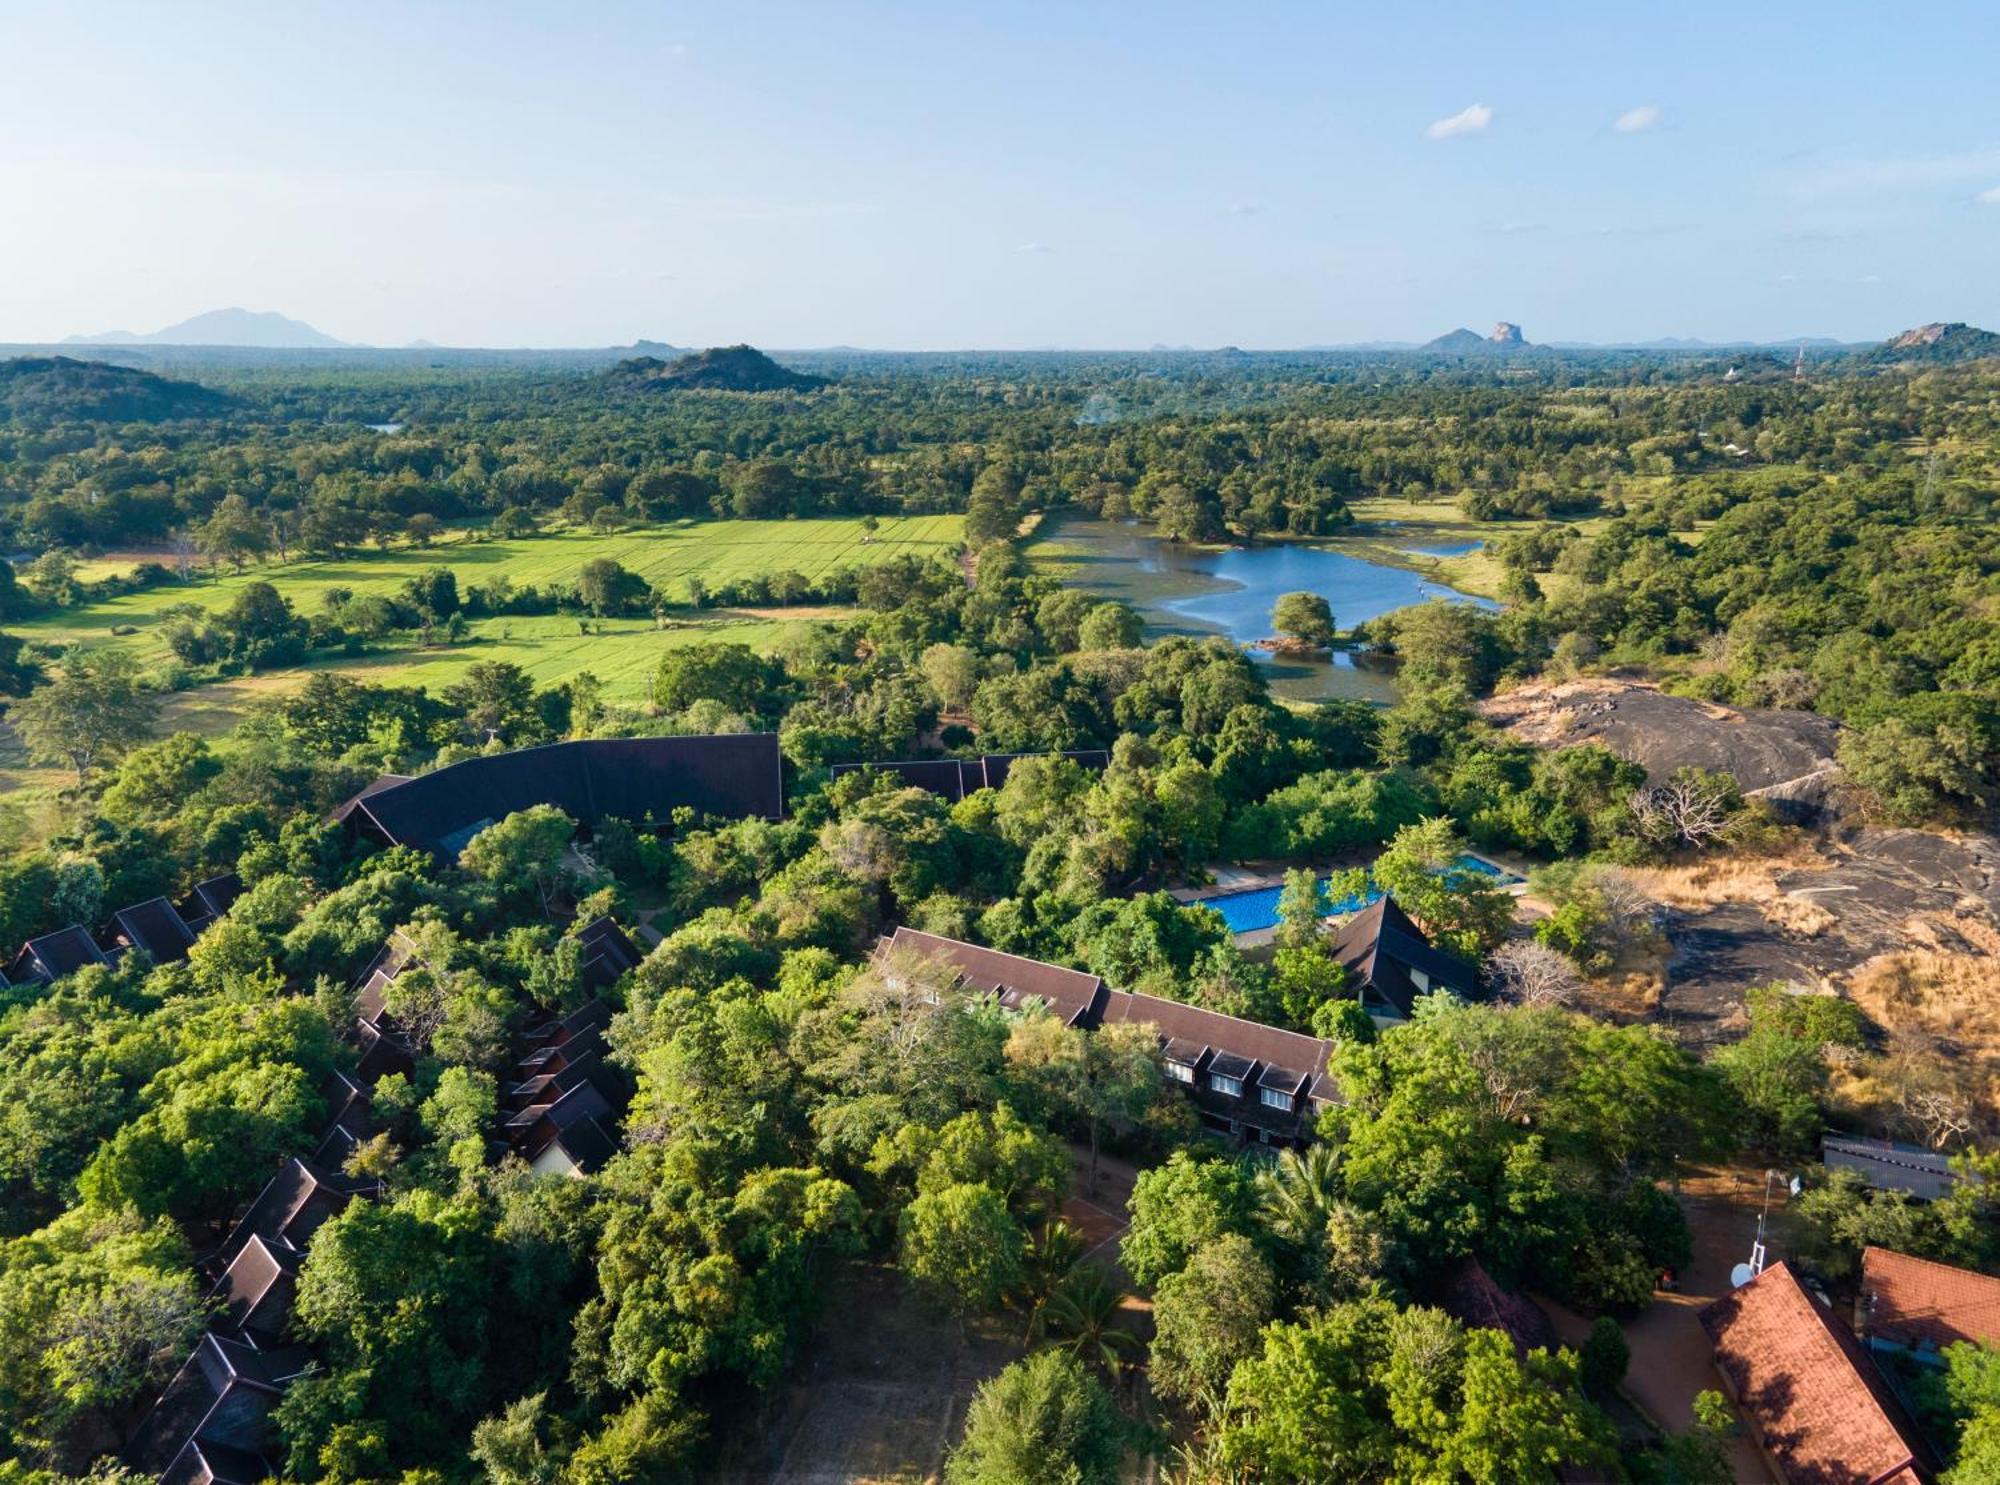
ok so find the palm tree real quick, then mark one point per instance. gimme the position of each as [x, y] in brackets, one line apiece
[1300, 1192]
[1053, 1252]
[1081, 1317]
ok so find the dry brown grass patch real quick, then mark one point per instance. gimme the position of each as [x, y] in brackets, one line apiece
[1715, 880]
[1952, 997]
[1801, 916]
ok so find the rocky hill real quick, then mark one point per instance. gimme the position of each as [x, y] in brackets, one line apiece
[61, 388]
[1940, 343]
[1463, 342]
[734, 368]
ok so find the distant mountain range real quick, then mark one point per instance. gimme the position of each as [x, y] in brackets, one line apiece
[264, 329]
[224, 331]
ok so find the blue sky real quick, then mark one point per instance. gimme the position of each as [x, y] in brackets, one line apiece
[986, 174]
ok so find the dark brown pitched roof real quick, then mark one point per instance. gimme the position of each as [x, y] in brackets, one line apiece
[54, 955]
[1475, 1299]
[207, 1462]
[1810, 1391]
[290, 1209]
[1914, 1300]
[545, 1087]
[632, 778]
[156, 927]
[1236, 1045]
[391, 960]
[1379, 946]
[379, 1054]
[222, 1397]
[607, 952]
[1073, 996]
[589, 1019]
[256, 1289]
[585, 1146]
[212, 898]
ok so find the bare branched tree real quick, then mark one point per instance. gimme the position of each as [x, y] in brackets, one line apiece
[1685, 810]
[184, 551]
[1940, 1113]
[1529, 973]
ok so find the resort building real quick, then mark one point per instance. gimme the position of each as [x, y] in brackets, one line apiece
[954, 778]
[1248, 1081]
[1389, 963]
[733, 775]
[1819, 1409]
[1072, 996]
[160, 929]
[1920, 1307]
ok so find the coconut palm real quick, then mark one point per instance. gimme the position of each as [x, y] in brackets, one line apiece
[1300, 1192]
[1053, 1252]
[1081, 1317]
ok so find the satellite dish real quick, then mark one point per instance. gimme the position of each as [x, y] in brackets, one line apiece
[1740, 1275]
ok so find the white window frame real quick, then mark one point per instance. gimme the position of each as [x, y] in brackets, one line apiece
[1180, 1072]
[1221, 1084]
[1276, 1098]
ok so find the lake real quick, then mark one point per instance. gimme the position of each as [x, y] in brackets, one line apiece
[1179, 589]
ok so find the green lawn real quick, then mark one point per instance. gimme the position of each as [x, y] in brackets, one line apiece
[1387, 528]
[717, 551]
[622, 653]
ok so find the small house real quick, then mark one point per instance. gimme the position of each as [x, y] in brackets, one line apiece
[1816, 1404]
[1389, 963]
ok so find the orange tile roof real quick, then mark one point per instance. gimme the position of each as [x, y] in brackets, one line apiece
[1810, 1391]
[1913, 1299]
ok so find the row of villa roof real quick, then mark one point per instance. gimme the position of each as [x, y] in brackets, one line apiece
[211, 1426]
[1248, 1080]
[563, 1100]
[1807, 1381]
[162, 929]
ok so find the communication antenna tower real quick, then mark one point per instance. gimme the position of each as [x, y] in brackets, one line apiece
[1799, 366]
[1743, 1273]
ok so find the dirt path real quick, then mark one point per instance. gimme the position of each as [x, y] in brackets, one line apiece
[1100, 1215]
[1672, 1360]
[884, 1393]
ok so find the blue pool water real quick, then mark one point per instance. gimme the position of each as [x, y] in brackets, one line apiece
[1257, 907]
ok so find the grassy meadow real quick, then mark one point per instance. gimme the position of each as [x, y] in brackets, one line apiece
[621, 652]
[717, 552]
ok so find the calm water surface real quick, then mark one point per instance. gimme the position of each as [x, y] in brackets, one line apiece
[1183, 590]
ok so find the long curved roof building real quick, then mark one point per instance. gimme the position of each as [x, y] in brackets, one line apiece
[734, 775]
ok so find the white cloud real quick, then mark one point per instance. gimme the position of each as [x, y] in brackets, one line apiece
[1637, 120]
[1466, 121]
[1244, 209]
[1990, 196]
[1034, 247]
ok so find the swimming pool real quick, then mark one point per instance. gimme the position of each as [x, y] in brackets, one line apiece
[1256, 908]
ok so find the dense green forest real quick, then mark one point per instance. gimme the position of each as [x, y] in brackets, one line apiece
[803, 1115]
